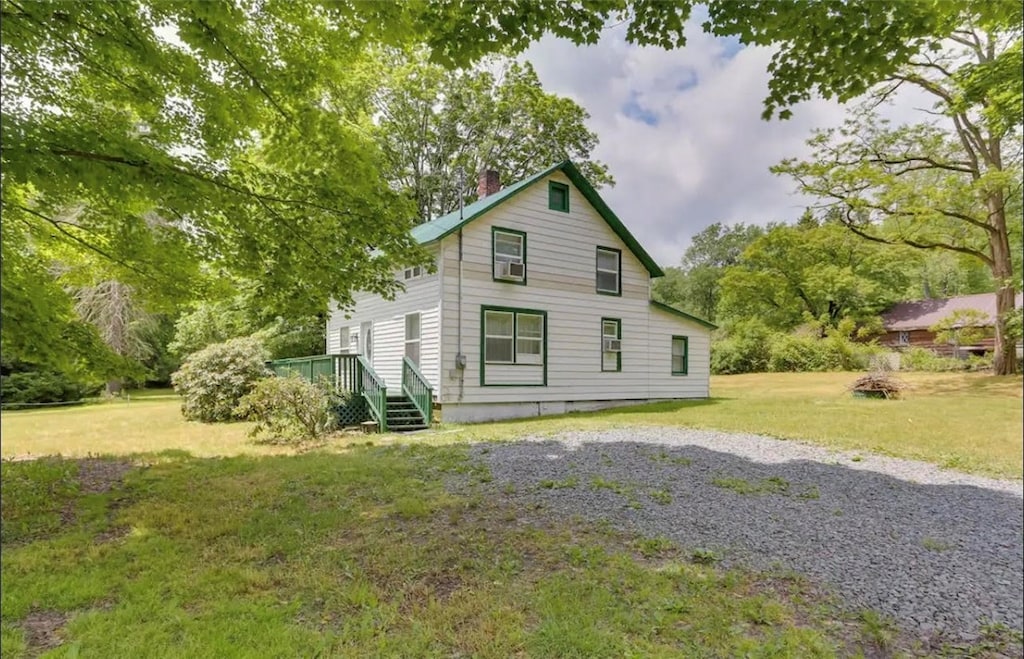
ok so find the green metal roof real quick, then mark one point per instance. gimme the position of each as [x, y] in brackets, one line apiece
[429, 232]
[682, 314]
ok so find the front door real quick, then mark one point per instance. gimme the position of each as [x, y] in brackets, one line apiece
[366, 340]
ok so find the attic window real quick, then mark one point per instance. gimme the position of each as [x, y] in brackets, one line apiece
[558, 196]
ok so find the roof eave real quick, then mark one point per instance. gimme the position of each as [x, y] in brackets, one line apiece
[682, 314]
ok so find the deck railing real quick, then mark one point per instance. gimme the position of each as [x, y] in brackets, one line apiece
[375, 393]
[346, 373]
[415, 387]
[309, 368]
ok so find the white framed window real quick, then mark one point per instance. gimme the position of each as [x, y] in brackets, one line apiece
[609, 271]
[412, 338]
[343, 339]
[508, 251]
[611, 344]
[529, 338]
[903, 338]
[513, 337]
[414, 272]
[499, 337]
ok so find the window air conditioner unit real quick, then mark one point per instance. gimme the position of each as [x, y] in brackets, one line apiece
[512, 270]
[613, 345]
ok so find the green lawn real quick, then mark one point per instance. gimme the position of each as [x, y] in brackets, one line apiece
[364, 553]
[355, 550]
[970, 422]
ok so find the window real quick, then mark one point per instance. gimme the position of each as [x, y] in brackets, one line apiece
[412, 338]
[509, 255]
[499, 337]
[529, 338]
[342, 339]
[413, 273]
[513, 337]
[609, 272]
[903, 339]
[680, 354]
[558, 196]
[611, 344]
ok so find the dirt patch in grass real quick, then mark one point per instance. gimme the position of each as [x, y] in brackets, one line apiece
[98, 476]
[43, 630]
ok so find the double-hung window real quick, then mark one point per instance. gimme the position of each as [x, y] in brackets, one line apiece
[611, 344]
[609, 271]
[680, 355]
[513, 337]
[508, 255]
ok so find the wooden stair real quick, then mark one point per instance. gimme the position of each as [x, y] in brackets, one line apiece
[403, 415]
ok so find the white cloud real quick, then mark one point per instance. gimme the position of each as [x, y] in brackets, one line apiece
[707, 158]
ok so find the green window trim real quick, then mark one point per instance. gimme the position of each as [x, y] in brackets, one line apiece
[618, 335]
[598, 270]
[685, 340]
[558, 196]
[516, 312]
[494, 260]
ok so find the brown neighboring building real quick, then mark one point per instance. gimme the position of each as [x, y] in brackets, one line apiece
[906, 323]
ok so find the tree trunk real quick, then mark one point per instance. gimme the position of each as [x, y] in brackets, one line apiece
[1005, 359]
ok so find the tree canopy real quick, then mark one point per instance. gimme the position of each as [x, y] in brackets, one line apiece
[951, 181]
[809, 272]
[695, 285]
[189, 142]
[435, 121]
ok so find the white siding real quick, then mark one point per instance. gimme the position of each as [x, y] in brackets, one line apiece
[421, 296]
[561, 261]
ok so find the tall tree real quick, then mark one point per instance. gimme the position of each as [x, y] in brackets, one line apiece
[435, 121]
[156, 132]
[824, 273]
[696, 285]
[116, 312]
[951, 182]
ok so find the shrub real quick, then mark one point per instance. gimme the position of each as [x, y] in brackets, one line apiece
[835, 352]
[745, 350]
[211, 382]
[28, 387]
[921, 359]
[290, 410]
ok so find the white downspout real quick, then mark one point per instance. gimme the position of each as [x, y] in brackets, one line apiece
[460, 358]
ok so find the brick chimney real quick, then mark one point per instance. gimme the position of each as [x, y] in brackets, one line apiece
[488, 184]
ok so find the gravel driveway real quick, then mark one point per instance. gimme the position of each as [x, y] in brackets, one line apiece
[939, 551]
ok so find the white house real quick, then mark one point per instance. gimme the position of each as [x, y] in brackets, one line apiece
[540, 304]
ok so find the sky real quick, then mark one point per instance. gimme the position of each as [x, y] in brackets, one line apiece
[681, 132]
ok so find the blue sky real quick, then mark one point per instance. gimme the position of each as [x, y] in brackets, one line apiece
[682, 133]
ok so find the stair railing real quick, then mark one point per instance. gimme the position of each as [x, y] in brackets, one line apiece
[417, 389]
[375, 393]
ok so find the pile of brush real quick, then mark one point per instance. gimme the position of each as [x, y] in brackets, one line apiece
[878, 385]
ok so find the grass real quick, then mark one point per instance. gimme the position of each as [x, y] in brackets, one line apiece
[360, 553]
[970, 422]
[966, 421]
[356, 550]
